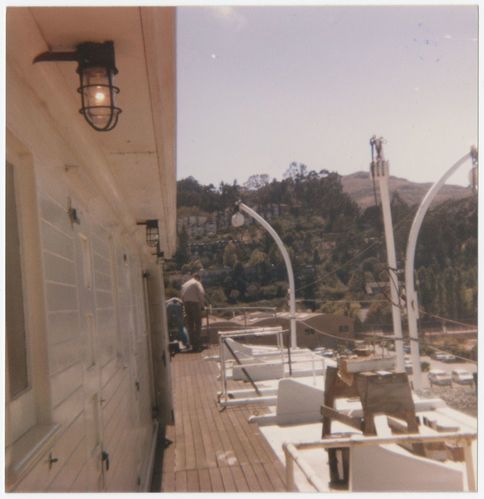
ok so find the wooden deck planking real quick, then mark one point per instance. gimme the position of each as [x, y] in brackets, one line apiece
[181, 481]
[193, 484]
[262, 477]
[245, 434]
[227, 479]
[271, 470]
[251, 478]
[204, 480]
[213, 451]
[239, 479]
[216, 480]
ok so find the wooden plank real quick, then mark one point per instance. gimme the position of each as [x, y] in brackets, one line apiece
[228, 481]
[199, 450]
[262, 477]
[242, 430]
[263, 448]
[234, 438]
[181, 481]
[239, 479]
[193, 484]
[277, 483]
[190, 461]
[216, 480]
[214, 451]
[227, 455]
[218, 447]
[251, 478]
[331, 413]
[204, 480]
[205, 427]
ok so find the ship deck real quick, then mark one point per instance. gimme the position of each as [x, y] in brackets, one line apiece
[211, 451]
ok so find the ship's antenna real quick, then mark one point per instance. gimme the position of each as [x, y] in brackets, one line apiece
[379, 172]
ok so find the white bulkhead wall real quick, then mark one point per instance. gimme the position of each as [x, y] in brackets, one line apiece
[92, 345]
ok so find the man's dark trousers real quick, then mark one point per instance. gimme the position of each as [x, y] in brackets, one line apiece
[193, 312]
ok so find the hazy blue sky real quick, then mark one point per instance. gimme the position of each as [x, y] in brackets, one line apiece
[259, 87]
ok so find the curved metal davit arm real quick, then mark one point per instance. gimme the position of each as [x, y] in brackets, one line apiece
[411, 296]
[287, 261]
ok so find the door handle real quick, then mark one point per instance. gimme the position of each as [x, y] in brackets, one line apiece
[52, 460]
[105, 458]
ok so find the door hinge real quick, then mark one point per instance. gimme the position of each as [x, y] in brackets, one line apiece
[155, 412]
[105, 459]
[52, 460]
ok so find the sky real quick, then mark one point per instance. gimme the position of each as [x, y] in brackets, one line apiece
[260, 87]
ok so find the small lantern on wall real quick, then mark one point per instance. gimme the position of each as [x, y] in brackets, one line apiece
[153, 235]
[96, 69]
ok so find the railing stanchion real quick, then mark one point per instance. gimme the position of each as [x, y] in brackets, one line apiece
[290, 485]
[471, 479]
[222, 368]
[289, 357]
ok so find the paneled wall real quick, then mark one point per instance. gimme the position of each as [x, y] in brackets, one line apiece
[84, 422]
[99, 356]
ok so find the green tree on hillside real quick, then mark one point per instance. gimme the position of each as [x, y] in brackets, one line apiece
[182, 254]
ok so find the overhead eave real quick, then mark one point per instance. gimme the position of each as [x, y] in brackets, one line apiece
[159, 30]
[133, 166]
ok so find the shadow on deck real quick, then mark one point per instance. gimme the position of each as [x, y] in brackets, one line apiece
[212, 451]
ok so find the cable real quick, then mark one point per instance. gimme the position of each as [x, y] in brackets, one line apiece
[380, 338]
[376, 243]
[433, 347]
[339, 268]
[447, 320]
[389, 298]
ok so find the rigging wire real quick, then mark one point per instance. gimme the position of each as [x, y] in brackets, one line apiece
[354, 257]
[446, 319]
[368, 339]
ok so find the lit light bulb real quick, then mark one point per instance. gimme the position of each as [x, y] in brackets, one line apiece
[99, 96]
[238, 219]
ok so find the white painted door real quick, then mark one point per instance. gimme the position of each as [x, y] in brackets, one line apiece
[96, 459]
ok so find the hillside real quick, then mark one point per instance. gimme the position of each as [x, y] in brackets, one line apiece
[336, 246]
[360, 187]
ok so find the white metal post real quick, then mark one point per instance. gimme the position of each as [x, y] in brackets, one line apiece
[287, 261]
[224, 396]
[290, 483]
[471, 477]
[380, 171]
[412, 302]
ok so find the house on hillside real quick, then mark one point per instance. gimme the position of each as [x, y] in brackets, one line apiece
[87, 372]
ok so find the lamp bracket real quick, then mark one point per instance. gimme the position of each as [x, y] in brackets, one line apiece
[87, 54]
[56, 56]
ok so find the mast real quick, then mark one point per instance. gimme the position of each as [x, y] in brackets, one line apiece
[411, 294]
[380, 171]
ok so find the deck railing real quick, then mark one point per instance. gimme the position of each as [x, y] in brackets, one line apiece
[294, 356]
[271, 311]
[277, 331]
[294, 457]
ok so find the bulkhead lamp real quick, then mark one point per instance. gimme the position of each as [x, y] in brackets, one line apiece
[152, 233]
[96, 69]
[238, 219]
